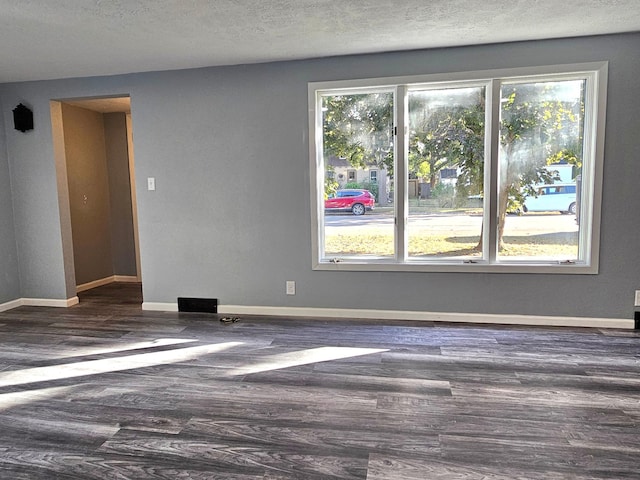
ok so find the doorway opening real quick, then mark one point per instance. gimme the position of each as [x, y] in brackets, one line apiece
[93, 148]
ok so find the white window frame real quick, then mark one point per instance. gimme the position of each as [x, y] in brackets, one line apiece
[595, 74]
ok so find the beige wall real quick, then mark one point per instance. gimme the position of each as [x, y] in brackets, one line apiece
[122, 234]
[88, 179]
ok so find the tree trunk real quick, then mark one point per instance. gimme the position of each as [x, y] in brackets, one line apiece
[503, 200]
[504, 182]
[432, 181]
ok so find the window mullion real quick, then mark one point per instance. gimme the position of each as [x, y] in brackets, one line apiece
[401, 168]
[316, 148]
[492, 147]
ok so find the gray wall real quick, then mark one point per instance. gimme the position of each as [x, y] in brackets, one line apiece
[122, 238]
[35, 201]
[88, 179]
[231, 214]
[9, 277]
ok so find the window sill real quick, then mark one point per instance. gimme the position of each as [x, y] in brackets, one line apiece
[457, 267]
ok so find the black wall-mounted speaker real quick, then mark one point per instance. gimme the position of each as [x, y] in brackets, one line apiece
[22, 118]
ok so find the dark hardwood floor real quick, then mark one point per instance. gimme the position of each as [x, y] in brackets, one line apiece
[104, 390]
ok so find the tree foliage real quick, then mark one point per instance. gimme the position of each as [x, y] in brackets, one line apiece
[433, 143]
[541, 124]
[358, 127]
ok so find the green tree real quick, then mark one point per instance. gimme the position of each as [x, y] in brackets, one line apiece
[539, 121]
[433, 142]
[358, 127]
[470, 128]
[447, 130]
[330, 183]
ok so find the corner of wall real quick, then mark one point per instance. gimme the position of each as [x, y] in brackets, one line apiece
[57, 133]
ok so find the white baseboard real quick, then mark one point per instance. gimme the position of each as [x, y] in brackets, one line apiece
[50, 302]
[536, 320]
[12, 304]
[96, 283]
[160, 307]
[106, 281]
[126, 278]
[39, 302]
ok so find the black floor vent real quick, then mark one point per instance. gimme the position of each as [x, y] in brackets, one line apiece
[204, 305]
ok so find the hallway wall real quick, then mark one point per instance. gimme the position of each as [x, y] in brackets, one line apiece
[122, 237]
[88, 178]
[97, 163]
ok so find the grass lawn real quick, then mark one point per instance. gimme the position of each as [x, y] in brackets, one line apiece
[547, 245]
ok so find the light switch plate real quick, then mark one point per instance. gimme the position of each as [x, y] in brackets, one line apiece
[151, 183]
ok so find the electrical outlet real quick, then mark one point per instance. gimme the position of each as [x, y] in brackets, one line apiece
[151, 183]
[637, 302]
[291, 287]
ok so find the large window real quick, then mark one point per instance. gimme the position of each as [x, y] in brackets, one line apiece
[483, 171]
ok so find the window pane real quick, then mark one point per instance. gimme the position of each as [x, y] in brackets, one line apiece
[541, 149]
[357, 135]
[446, 172]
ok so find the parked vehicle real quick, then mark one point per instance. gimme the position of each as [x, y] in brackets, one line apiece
[557, 197]
[350, 200]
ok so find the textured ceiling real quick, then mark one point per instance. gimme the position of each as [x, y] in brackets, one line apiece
[43, 39]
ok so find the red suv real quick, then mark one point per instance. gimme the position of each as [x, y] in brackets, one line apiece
[350, 200]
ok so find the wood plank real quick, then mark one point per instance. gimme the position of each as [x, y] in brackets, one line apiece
[106, 390]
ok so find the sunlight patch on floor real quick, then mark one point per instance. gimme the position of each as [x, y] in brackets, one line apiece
[101, 350]
[304, 357]
[95, 367]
